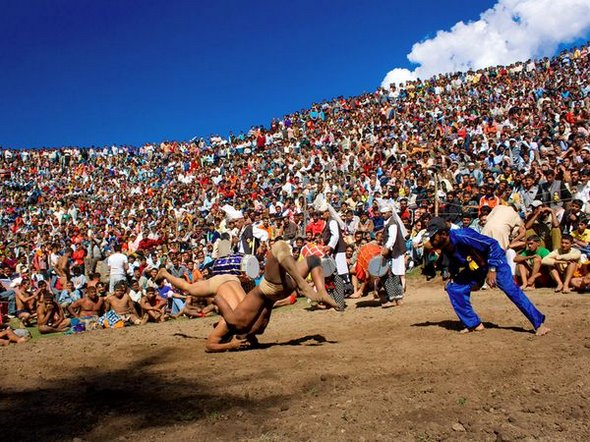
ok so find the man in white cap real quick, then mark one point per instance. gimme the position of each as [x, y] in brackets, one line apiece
[335, 246]
[245, 235]
[394, 249]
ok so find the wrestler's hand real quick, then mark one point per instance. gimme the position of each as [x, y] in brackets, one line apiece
[491, 279]
[239, 343]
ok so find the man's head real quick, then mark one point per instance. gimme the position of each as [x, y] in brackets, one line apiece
[120, 289]
[92, 293]
[438, 231]
[101, 288]
[532, 243]
[48, 298]
[576, 205]
[566, 243]
[150, 293]
[466, 220]
[582, 225]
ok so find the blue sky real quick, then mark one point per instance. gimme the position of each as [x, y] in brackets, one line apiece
[85, 73]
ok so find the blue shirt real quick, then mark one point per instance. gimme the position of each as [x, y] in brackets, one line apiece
[467, 243]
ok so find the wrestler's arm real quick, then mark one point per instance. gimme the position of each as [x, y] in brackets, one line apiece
[214, 344]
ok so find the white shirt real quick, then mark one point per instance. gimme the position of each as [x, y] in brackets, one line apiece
[116, 263]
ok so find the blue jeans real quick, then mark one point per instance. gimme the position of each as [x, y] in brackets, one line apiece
[459, 291]
[8, 295]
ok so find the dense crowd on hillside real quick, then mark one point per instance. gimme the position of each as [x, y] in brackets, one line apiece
[457, 144]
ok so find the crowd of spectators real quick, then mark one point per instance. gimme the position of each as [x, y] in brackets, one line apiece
[456, 144]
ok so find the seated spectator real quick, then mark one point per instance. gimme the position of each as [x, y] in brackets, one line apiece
[50, 315]
[26, 300]
[8, 295]
[562, 263]
[528, 262]
[543, 223]
[78, 279]
[90, 306]
[416, 241]
[68, 295]
[122, 304]
[135, 291]
[193, 308]
[153, 307]
[94, 280]
[7, 336]
[174, 300]
[101, 289]
[581, 236]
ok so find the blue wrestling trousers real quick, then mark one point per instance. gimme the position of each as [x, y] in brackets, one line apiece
[459, 291]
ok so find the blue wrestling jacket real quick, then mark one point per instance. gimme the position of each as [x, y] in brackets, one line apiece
[474, 251]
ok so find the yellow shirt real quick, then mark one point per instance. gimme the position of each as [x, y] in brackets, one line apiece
[584, 236]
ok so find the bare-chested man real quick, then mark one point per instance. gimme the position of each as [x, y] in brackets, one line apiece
[222, 338]
[50, 315]
[282, 275]
[193, 308]
[62, 267]
[153, 307]
[7, 336]
[123, 305]
[26, 301]
[89, 306]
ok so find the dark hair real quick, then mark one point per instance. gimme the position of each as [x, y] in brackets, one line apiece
[568, 237]
[485, 210]
[534, 238]
[578, 202]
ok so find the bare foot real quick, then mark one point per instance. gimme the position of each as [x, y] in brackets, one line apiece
[388, 304]
[523, 287]
[323, 297]
[399, 302]
[355, 295]
[542, 330]
[559, 288]
[480, 327]
[566, 290]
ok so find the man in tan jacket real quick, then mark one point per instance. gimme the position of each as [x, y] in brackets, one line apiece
[562, 263]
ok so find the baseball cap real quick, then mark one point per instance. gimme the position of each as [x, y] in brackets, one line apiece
[437, 223]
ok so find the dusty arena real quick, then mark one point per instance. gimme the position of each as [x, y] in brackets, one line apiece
[366, 374]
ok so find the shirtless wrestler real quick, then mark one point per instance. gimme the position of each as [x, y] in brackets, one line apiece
[282, 275]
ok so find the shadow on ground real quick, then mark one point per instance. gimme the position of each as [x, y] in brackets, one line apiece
[457, 326]
[308, 341]
[369, 303]
[107, 404]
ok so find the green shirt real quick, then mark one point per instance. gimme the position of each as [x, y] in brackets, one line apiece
[541, 251]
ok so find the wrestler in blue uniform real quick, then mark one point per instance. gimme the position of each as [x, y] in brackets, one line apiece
[473, 257]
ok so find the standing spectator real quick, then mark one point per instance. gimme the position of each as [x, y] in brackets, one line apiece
[118, 266]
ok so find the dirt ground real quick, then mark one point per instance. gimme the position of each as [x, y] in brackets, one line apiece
[363, 375]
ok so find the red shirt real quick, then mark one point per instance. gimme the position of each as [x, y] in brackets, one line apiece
[316, 227]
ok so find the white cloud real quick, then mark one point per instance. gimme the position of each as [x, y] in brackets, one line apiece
[510, 31]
